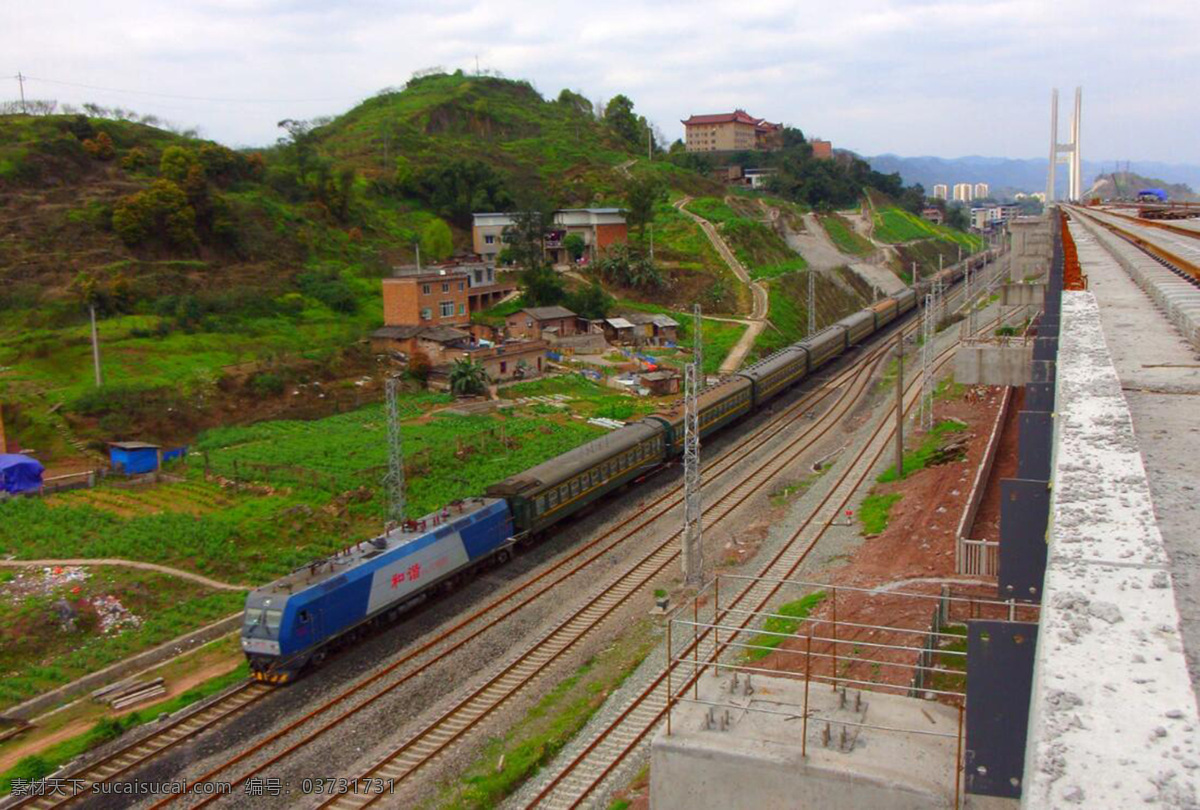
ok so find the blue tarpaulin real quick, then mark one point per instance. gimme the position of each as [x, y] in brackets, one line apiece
[20, 473]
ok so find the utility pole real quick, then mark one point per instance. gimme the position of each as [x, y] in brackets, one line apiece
[394, 481]
[693, 549]
[900, 404]
[649, 144]
[417, 245]
[651, 243]
[928, 331]
[3, 440]
[812, 303]
[95, 346]
[21, 81]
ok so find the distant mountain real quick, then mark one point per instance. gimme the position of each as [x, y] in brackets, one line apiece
[1008, 175]
[1126, 184]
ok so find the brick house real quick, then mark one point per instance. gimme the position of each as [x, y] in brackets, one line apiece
[823, 150]
[429, 297]
[508, 361]
[530, 322]
[599, 228]
[731, 132]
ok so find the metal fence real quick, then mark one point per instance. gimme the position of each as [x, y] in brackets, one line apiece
[824, 635]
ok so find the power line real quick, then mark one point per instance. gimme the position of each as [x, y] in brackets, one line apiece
[218, 100]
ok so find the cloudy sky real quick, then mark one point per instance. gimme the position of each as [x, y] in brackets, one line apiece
[913, 77]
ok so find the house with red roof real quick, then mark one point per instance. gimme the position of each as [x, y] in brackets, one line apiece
[731, 132]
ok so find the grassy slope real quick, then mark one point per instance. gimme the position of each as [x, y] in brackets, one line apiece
[789, 309]
[895, 225]
[842, 233]
[758, 247]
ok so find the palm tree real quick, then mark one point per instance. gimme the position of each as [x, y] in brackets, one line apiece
[468, 377]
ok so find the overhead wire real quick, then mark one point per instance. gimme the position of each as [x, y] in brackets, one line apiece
[211, 99]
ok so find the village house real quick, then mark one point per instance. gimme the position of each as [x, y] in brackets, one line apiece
[731, 132]
[598, 227]
[653, 328]
[531, 322]
[932, 214]
[619, 330]
[661, 383]
[515, 359]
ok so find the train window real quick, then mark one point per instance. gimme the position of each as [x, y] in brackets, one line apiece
[552, 498]
[271, 619]
[595, 477]
[574, 486]
[303, 617]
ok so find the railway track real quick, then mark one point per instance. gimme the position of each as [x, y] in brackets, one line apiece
[577, 780]
[141, 751]
[1171, 258]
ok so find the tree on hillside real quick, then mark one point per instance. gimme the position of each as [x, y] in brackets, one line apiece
[575, 246]
[459, 187]
[913, 198]
[161, 211]
[643, 195]
[590, 301]
[525, 242]
[299, 145]
[468, 378]
[620, 117]
[576, 102]
[436, 240]
[956, 216]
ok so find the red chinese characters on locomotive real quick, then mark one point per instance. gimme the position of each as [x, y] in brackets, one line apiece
[412, 574]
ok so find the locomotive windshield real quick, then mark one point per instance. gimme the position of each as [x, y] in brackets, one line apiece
[262, 622]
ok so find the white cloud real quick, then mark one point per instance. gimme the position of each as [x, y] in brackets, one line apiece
[942, 77]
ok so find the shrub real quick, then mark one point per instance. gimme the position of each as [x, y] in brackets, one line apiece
[330, 289]
[176, 163]
[101, 147]
[265, 384]
[436, 240]
[161, 211]
[135, 158]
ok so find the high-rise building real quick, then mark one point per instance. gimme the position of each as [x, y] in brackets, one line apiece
[981, 191]
[941, 191]
[962, 192]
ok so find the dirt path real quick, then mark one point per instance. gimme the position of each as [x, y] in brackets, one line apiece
[145, 566]
[761, 305]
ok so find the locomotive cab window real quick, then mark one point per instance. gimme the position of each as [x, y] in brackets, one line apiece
[302, 617]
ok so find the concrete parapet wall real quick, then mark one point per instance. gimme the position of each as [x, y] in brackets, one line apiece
[1179, 299]
[1113, 719]
[979, 363]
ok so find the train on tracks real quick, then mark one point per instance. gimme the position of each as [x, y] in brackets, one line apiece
[295, 621]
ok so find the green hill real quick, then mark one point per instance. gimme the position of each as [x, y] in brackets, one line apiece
[220, 277]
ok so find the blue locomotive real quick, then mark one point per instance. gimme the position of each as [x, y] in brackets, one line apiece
[298, 619]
